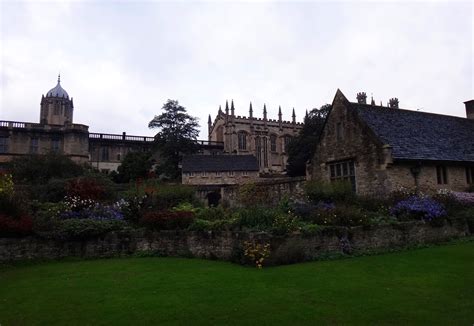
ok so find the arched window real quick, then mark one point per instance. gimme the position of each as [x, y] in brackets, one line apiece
[273, 143]
[286, 142]
[242, 140]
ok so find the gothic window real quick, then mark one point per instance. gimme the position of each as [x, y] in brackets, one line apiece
[273, 143]
[3, 144]
[258, 150]
[286, 142]
[242, 141]
[265, 152]
[442, 175]
[119, 156]
[342, 171]
[34, 145]
[56, 109]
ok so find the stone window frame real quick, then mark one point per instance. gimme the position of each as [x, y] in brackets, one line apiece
[104, 154]
[286, 141]
[442, 176]
[343, 171]
[273, 143]
[4, 144]
[242, 140]
[245, 173]
[218, 174]
[470, 175]
[204, 174]
[230, 173]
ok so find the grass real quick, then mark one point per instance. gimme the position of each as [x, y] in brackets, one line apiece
[431, 286]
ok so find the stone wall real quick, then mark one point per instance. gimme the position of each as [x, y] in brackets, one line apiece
[226, 245]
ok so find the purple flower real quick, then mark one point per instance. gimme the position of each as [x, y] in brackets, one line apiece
[424, 207]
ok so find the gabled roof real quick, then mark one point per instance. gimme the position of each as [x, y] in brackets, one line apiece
[219, 163]
[415, 135]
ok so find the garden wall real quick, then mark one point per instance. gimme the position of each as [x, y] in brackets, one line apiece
[229, 245]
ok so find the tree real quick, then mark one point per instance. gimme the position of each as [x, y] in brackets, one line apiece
[301, 149]
[134, 165]
[176, 136]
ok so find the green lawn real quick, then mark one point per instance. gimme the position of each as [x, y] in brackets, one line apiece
[425, 286]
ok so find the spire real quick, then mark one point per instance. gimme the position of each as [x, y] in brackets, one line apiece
[232, 110]
[306, 114]
[59, 78]
[220, 110]
[372, 102]
[209, 121]
[293, 116]
[250, 110]
[226, 107]
[279, 113]
[264, 112]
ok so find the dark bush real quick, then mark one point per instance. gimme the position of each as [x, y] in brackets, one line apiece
[167, 220]
[212, 214]
[85, 188]
[259, 218]
[80, 229]
[163, 197]
[15, 226]
[323, 191]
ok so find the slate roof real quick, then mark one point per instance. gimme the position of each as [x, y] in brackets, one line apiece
[416, 135]
[219, 163]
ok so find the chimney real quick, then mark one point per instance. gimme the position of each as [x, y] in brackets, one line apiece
[393, 103]
[362, 98]
[469, 109]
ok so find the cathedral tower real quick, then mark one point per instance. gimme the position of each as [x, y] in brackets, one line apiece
[56, 107]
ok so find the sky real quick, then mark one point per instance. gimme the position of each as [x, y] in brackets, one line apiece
[122, 60]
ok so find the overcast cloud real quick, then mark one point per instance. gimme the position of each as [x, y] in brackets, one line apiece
[121, 61]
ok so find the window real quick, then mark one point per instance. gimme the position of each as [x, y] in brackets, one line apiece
[258, 150]
[119, 156]
[343, 171]
[56, 109]
[245, 173]
[3, 144]
[191, 174]
[34, 145]
[55, 145]
[203, 173]
[442, 175]
[339, 131]
[218, 174]
[230, 173]
[273, 143]
[470, 174]
[104, 154]
[286, 142]
[242, 141]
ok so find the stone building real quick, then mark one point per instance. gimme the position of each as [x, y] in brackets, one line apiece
[56, 132]
[379, 149]
[266, 139]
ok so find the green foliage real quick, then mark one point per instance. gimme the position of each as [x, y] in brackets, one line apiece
[80, 229]
[213, 225]
[301, 149]
[135, 165]
[167, 220]
[285, 223]
[252, 194]
[212, 213]
[258, 218]
[333, 191]
[177, 135]
[6, 185]
[168, 196]
[39, 169]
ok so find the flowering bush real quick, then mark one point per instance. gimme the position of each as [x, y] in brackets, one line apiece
[466, 198]
[417, 207]
[77, 208]
[10, 226]
[85, 188]
[6, 185]
[256, 252]
[167, 220]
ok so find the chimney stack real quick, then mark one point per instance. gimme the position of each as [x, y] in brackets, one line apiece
[362, 98]
[393, 103]
[469, 109]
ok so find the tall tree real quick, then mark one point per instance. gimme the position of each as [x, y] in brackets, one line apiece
[301, 149]
[177, 135]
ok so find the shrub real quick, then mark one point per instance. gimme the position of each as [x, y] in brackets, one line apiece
[214, 225]
[86, 188]
[259, 218]
[12, 227]
[285, 223]
[167, 220]
[167, 196]
[323, 191]
[256, 253]
[465, 198]
[80, 229]
[6, 185]
[212, 213]
[416, 207]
